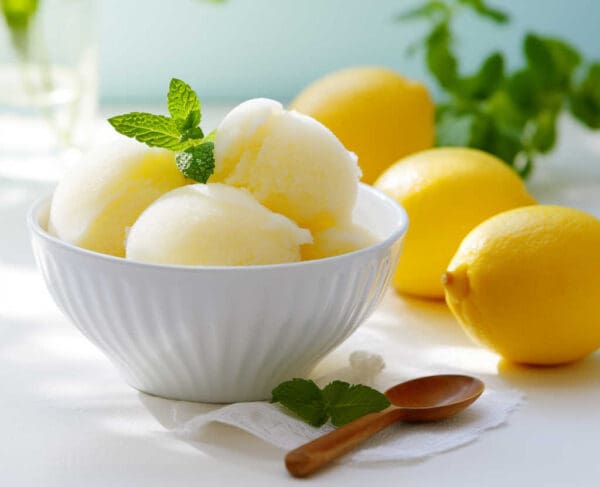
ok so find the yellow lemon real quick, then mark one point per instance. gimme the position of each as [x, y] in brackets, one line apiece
[446, 193]
[526, 283]
[374, 111]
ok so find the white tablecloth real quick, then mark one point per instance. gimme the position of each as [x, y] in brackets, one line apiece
[67, 418]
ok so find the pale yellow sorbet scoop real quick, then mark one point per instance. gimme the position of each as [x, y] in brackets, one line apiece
[290, 163]
[214, 224]
[97, 201]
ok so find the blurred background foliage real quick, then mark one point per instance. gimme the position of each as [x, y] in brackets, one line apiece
[511, 112]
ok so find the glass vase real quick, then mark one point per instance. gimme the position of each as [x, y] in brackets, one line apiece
[48, 85]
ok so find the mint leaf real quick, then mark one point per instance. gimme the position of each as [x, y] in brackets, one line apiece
[333, 391]
[461, 129]
[552, 61]
[191, 134]
[485, 81]
[544, 136]
[523, 89]
[430, 10]
[152, 130]
[183, 104]
[486, 11]
[512, 115]
[180, 132]
[503, 110]
[440, 60]
[585, 99]
[346, 402]
[340, 400]
[504, 142]
[303, 398]
[481, 131]
[197, 162]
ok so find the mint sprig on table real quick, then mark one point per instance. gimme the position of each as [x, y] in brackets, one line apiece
[339, 401]
[510, 114]
[180, 132]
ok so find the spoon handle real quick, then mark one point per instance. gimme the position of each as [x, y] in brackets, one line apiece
[311, 456]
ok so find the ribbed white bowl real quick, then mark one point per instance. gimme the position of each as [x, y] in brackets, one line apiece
[220, 334]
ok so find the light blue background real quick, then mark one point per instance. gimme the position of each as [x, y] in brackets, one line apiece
[247, 48]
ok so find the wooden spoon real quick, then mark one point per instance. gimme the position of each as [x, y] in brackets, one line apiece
[426, 399]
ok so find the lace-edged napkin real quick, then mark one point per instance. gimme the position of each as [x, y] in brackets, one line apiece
[401, 441]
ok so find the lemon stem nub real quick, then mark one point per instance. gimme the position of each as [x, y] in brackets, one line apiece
[456, 282]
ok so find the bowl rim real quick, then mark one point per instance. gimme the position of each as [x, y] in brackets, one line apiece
[399, 231]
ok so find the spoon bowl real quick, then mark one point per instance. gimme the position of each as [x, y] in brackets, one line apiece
[431, 398]
[435, 397]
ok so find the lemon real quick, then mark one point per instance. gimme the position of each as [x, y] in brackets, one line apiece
[375, 112]
[446, 193]
[526, 283]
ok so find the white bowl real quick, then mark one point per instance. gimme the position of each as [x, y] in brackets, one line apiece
[220, 334]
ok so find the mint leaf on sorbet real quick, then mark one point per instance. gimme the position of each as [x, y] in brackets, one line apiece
[197, 162]
[180, 132]
[152, 130]
[183, 104]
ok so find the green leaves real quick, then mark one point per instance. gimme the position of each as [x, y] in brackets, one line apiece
[510, 114]
[466, 129]
[585, 99]
[480, 7]
[429, 10]
[339, 401]
[440, 60]
[183, 104]
[180, 132]
[152, 130]
[544, 133]
[346, 402]
[198, 162]
[304, 399]
[486, 80]
[551, 61]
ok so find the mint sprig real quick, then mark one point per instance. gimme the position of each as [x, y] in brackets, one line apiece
[347, 402]
[303, 398]
[152, 130]
[183, 102]
[585, 99]
[197, 162]
[180, 132]
[339, 401]
[512, 114]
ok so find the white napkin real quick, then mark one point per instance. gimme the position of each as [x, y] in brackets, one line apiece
[399, 442]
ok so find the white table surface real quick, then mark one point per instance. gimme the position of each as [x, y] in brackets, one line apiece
[67, 418]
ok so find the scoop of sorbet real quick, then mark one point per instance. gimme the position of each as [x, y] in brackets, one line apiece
[290, 163]
[96, 201]
[213, 224]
